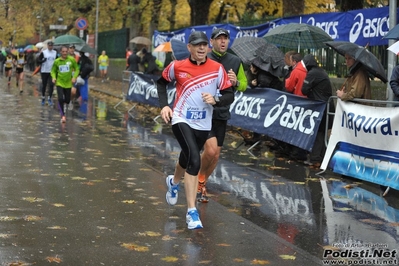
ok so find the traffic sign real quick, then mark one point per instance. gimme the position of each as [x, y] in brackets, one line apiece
[81, 23]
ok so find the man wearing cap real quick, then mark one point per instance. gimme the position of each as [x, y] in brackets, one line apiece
[46, 59]
[198, 80]
[220, 39]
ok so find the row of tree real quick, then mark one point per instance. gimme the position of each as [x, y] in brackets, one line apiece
[28, 21]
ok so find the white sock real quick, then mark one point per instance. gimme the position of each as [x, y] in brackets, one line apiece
[191, 209]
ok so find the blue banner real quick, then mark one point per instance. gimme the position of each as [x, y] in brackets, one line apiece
[364, 26]
[283, 116]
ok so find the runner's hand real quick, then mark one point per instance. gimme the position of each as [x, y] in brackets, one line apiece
[166, 114]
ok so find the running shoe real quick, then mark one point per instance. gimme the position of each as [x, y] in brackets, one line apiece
[50, 102]
[193, 221]
[201, 193]
[172, 193]
[43, 101]
[63, 119]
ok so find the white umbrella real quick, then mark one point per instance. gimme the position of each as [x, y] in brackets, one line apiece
[394, 48]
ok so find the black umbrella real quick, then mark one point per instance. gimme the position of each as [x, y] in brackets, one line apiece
[245, 48]
[362, 55]
[269, 58]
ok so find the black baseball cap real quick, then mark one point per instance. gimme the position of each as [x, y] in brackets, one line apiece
[197, 37]
[217, 32]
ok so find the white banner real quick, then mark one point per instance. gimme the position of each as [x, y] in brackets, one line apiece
[364, 143]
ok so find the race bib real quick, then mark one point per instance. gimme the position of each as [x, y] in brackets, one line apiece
[63, 68]
[196, 115]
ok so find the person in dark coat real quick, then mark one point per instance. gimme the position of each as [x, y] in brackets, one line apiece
[260, 78]
[317, 86]
[133, 62]
[149, 63]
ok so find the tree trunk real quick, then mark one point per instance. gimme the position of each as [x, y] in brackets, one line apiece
[347, 5]
[294, 7]
[172, 17]
[199, 11]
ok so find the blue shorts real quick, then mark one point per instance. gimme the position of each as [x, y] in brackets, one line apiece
[103, 67]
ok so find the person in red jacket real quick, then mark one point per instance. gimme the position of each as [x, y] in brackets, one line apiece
[294, 82]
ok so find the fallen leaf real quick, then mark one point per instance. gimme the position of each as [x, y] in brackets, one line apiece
[58, 205]
[57, 227]
[260, 262]
[8, 218]
[129, 201]
[18, 263]
[78, 178]
[287, 257]
[6, 235]
[132, 246]
[151, 233]
[32, 218]
[53, 259]
[170, 259]
[223, 245]
[33, 199]
[238, 260]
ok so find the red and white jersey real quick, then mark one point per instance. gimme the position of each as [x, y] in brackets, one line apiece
[191, 81]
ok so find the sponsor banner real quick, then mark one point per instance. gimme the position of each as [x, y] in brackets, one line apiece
[143, 89]
[280, 115]
[277, 114]
[363, 143]
[364, 26]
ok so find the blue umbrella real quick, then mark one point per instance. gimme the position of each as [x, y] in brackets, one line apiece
[179, 49]
[393, 33]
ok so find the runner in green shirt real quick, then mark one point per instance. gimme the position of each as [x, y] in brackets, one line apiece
[64, 72]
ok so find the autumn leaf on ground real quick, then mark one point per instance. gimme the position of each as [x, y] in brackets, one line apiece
[288, 257]
[132, 246]
[223, 245]
[260, 262]
[32, 218]
[115, 190]
[7, 235]
[8, 218]
[78, 178]
[129, 201]
[33, 199]
[145, 169]
[238, 260]
[151, 233]
[205, 262]
[89, 183]
[63, 174]
[58, 205]
[170, 259]
[53, 259]
[56, 227]
[90, 168]
[168, 238]
[18, 263]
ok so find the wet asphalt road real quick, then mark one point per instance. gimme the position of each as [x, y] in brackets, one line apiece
[91, 192]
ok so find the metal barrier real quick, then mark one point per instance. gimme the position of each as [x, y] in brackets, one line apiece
[333, 99]
[125, 84]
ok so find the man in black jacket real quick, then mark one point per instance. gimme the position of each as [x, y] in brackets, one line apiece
[317, 86]
[220, 39]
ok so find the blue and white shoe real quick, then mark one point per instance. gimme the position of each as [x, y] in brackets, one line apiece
[43, 101]
[173, 191]
[193, 221]
[50, 102]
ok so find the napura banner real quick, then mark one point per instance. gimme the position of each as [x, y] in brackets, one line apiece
[277, 114]
[363, 143]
